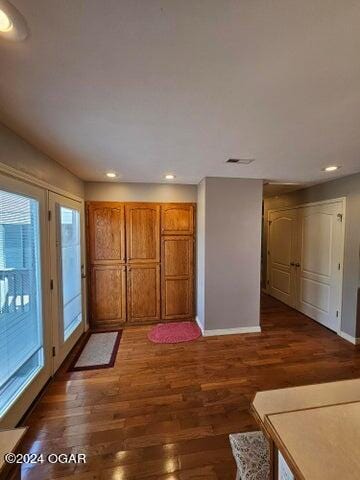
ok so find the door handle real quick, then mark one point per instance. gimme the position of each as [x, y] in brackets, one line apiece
[83, 273]
[297, 264]
[292, 264]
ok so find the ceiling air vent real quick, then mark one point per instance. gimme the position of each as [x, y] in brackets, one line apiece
[240, 161]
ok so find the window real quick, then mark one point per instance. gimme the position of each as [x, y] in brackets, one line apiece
[70, 269]
[21, 337]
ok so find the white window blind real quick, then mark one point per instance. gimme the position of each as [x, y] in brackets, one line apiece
[21, 339]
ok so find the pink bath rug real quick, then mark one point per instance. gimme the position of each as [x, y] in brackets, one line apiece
[174, 332]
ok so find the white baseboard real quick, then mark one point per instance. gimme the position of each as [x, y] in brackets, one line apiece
[231, 331]
[349, 338]
[226, 331]
[199, 324]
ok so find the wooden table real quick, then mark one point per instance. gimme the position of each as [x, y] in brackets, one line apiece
[9, 442]
[287, 400]
[319, 443]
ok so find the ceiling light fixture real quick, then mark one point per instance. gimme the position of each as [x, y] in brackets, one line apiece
[13, 26]
[5, 23]
[111, 174]
[331, 168]
[169, 176]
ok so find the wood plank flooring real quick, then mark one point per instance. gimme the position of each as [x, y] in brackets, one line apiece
[164, 412]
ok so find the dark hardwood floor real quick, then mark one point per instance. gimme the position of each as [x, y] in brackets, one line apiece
[164, 412]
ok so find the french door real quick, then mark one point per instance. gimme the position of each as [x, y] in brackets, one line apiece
[25, 329]
[67, 275]
[305, 247]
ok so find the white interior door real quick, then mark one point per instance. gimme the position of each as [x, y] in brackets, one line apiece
[282, 248]
[67, 274]
[319, 271]
[25, 329]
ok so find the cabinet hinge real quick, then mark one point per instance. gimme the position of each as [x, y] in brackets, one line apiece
[337, 313]
[270, 222]
[49, 215]
[51, 284]
[339, 266]
[53, 351]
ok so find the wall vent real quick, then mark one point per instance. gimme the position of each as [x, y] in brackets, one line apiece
[240, 161]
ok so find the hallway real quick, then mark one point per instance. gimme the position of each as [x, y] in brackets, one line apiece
[164, 412]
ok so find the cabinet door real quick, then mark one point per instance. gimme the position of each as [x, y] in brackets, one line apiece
[106, 232]
[108, 295]
[143, 293]
[177, 277]
[143, 232]
[177, 219]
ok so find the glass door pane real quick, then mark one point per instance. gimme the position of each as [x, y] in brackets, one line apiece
[21, 330]
[70, 252]
[66, 265]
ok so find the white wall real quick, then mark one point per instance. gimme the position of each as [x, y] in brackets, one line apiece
[19, 154]
[229, 253]
[140, 192]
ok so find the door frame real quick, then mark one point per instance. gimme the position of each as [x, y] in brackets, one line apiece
[341, 200]
[26, 398]
[54, 202]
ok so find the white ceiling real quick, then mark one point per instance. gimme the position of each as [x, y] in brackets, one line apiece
[147, 87]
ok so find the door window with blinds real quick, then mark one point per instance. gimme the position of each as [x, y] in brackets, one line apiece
[21, 333]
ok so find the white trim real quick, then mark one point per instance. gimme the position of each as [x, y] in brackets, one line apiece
[199, 324]
[309, 204]
[18, 174]
[231, 331]
[349, 338]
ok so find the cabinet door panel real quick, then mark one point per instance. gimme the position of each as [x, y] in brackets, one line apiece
[177, 219]
[177, 256]
[143, 233]
[108, 295]
[177, 277]
[177, 298]
[106, 223]
[143, 293]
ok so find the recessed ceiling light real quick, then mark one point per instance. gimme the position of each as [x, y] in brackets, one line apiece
[331, 168]
[5, 23]
[13, 26]
[170, 176]
[111, 174]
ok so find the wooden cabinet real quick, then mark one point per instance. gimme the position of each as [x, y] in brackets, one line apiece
[141, 258]
[177, 277]
[143, 293]
[106, 232]
[108, 295]
[177, 219]
[143, 233]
